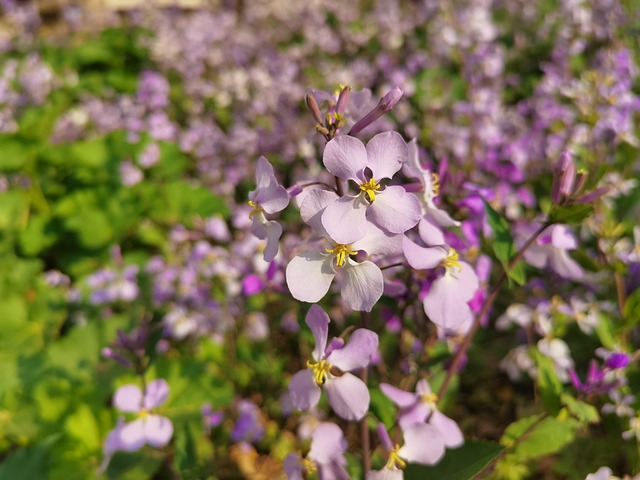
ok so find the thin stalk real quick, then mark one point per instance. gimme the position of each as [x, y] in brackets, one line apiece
[364, 427]
[466, 342]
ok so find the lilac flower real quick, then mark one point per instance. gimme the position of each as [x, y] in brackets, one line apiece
[423, 444]
[326, 455]
[390, 208]
[147, 428]
[210, 419]
[621, 405]
[310, 274]
[130, 174]
[420, 406]
[348, 395]
[558, 351]
[596, 382]
[386, 103]
[634, 429]
[268, 197]
[446, 302]
[248, 426]
[551, 250]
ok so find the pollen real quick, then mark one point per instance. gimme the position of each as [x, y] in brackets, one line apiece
[256, 208]
[143, 413]
[308, 466]
[341, 251]
[320, 370]
[451, 260]
[430, 398]
[435, 186]
[395, 461]
[370, 189]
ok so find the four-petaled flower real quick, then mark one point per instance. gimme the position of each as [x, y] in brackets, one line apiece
[348, 395]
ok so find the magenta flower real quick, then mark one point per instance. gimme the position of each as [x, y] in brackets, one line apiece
[390, 208]
[418, 407]
[269, 197]
[446, 302]
[309, 275]
[423, 444]
[348, 395]
[147, 428]
[326, 455]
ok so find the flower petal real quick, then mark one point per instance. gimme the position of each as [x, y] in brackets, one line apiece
[318, 321]
[385, 474]
[357, 352]
[293, 467]
[386, 152]
[422, 258]
[128, 398]
[132, 436]
[274, 231]
[345, 157]
[348, 396]
[564, 265]
[156, 393]
[362, 285]
[423, 444]
[395, 210]
[327, 443]
[449, 429]
[158, 430]
[345, 220]
[378, 242]
[309, 276]
[446, 301]
[304, 391]
[313, 206]
[399, 397]
[416, 414]
[430, 233]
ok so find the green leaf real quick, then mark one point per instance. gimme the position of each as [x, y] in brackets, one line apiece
[570, 214]
[29, 463]
[15, 154]
[548, 382]
[632, 308]
[92, 227]
[581, 410]
[177, 201]
[458, 464]
[503, 245]
[93, 153]
[38, 236]
[533, 436]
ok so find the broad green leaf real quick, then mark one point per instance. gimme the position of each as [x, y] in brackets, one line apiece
[458, 464]
[535, 436]
[548, 381]
[83, 426]
[29, 463]
[581, 410]
[92, 153]
[503, 245]
[383, 408]
[92, 227]
[14, 154]
[632, 308]
[39, 235]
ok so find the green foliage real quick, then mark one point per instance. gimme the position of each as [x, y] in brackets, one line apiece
[503, 245]
[458, 464]
[548, 382]
[570, 214]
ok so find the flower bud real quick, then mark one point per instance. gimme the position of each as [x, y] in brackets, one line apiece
[343, 99]
[312, 105]
[385, 105]
[563, 178]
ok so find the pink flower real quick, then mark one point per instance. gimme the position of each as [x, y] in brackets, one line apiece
[326, 455]
[348, 395]
[390, 208]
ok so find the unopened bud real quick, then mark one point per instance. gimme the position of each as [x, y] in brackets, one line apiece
[312, 105]
[385, 105]
[594, 195]
[581, 178]
[343, 99]
[563, 178]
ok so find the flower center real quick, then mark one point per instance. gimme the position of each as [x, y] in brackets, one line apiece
[451, 260]
[370, 189]
[341, 251]
[435, 186]
[143, 413]
[430, 398]
[256, 208]
[395, 461]
[320, 370]
[308, 466]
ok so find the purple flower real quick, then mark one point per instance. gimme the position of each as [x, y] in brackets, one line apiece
[420, 406]
[385, 105]
[390, 208]
[551, 250]
[248, 426]
[309, 275]
[423, 444]
[348, 395]
[268, 197]
[210, 419]
[326, 455]
[147, 428]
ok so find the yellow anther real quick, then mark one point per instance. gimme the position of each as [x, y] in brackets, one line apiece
[341, 251]
[370, 189]
[451, 260]
[394, 460]
[435, 186]
[256, 208]
[143, 413]
[308, 466]
[320, 370]
[430, 398]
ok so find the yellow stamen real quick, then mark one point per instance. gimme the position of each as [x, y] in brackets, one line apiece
[308, 466]
[256, 208]
[143, 414]
[394, 460]
[370, 188]
[320, 370]
[435, 187]
[430, 398]
[451, 260]
[341, 252]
